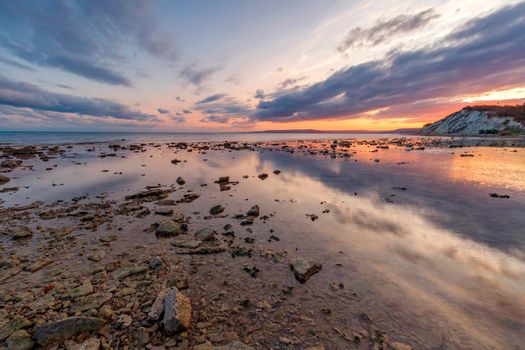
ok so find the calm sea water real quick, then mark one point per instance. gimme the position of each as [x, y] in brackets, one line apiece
[41, 137]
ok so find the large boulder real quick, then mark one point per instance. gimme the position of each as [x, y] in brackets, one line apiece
[58, 331]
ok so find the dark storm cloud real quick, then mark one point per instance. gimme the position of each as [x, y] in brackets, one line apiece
[163, 111]
[24, 95]
[83, 37]
[486, 53]
[211, 98]
[384, 29]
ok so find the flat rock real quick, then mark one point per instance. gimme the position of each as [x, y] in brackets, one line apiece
[93, 301]
[19, 232]
[164, 211]
[304, 268]
[234, 345]
[205, 234]
[58, 331]
[216, 210]
[14, 324]
[167, 228]
[84, 289]
[158, 307]
[20, 340]
[177, 312]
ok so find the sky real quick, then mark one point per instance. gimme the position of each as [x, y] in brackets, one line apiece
[212, 66]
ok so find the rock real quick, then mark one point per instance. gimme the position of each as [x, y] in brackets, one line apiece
[93, 301]
[169, 228]
[254, 211]
[217, 209]
[124, 272]
[180, 181]
[19, 232]
[156, 263]
[205, 234]
[263, 176]
[400, 346]
[106, 312]
[89, 344]
[16, 323]
[303, 268]
[3, 179]
[84, 289]
[97, 255]
[58, 331]
[19, 340]
[166, 202]
[149, 195]
[124, 321]
[234, 345]
[157, 308]
[164, 211]
[223, 179]
[276, 172]
[11, 163]
[177, 312]
[175, 161]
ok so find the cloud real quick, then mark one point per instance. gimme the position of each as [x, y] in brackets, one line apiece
[86, 38]
[197, 76]
[17, 64]
[178, 119]
[259, 94]
[221, 119]
[224, 110]
[186, 111]
[486, 53]
[211, 99]
[385, 29]
[180, 99]
[24, 95]
[163, 111]
[290, 82]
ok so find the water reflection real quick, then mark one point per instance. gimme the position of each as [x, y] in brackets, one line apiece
[444, 262]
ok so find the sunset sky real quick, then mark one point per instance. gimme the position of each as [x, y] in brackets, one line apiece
[254, 65]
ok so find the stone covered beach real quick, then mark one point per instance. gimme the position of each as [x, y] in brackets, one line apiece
[399, 243]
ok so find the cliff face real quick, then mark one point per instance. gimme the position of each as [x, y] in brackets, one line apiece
[480, 120]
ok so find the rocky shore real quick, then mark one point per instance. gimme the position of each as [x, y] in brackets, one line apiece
[166, 267]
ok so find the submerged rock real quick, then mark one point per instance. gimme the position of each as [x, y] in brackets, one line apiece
[177, 312]
[58, 331]
[254, 211]
[19, 232]
[180, 181]
[217, 209]
[304, 268]
[4, 179]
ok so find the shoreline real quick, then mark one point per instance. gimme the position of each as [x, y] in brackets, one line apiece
[113, 256]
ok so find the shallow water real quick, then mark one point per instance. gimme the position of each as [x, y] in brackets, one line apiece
[440, 264]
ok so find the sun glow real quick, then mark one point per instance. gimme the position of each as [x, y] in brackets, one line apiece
[509, 94]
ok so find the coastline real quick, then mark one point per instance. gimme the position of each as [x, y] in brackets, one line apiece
[74, 247]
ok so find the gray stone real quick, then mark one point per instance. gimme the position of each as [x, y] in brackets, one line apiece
[58, 331]
[16, 323]
[167, 228]
[304, 268]
[217, 209]
[205, 234]
[93, 301]
[177, 312]
[254, 211]
[20, 340]
[84, 289]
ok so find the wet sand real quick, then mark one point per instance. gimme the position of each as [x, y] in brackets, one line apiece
[419, 245]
